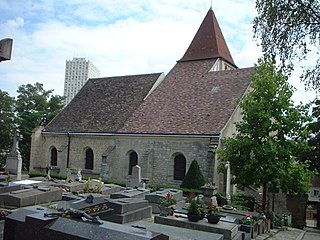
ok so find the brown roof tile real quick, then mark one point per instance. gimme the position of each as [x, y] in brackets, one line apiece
[208, 42]
[103, 104]
[191, 100]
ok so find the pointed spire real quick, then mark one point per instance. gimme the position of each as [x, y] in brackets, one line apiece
[208, 42]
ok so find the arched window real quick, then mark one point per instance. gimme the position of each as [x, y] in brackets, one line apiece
[89, 159]
[179, 167]
[54, 157]
[133, 160]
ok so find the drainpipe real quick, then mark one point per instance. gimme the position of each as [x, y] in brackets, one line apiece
[228, 185]
[68, 153]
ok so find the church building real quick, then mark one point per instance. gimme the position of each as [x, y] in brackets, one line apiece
[161, 123]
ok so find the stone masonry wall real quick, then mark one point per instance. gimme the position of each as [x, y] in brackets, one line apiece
[111, 154]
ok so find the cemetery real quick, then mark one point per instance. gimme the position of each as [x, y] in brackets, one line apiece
[41, 208]
[78, 208]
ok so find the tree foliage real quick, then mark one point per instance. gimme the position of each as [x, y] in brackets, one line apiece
[312, 157]
[6, 124]
[288, 29]
[34, 106]
[270, 135]
[194, 178]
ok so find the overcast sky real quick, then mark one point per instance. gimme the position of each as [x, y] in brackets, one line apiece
[119, 37]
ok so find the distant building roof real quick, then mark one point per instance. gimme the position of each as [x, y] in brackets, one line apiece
[208, 42]
[191, 100]
[104, 104]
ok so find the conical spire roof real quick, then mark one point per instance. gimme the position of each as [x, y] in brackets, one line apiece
[208, 42]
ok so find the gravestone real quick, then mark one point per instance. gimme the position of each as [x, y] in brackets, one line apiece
[127, 210]
[71, 174]
[79, 176]
[135, 179]
[14, 160]
[130, 193]
[96, 184]
[154, 198]
[31, 223]
[31, 196]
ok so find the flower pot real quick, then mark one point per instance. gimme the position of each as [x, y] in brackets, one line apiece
[214, 219]
[193, 217]
[251, 229]
[166, 211]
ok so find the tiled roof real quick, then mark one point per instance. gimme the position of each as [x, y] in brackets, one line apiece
[104, 104]
[191, 100]
[208, 42]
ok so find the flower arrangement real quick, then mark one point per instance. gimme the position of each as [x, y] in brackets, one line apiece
[213, 210]
[168, 200]
[248, 220]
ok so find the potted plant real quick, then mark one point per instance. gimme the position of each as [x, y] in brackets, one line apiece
[193, 211]
[213, 214]
[202, 207]
[248, 224]
[167, 205]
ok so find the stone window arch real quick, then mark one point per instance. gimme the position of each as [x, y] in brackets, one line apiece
[89, 159]
[179, 167]
[53, 156]
[133, 160]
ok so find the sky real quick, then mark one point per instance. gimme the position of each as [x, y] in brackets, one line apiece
[119, 37]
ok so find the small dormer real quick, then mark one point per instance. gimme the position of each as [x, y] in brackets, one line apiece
[221, 65]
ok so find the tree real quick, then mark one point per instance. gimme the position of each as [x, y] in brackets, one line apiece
[270, 135]
[194, 178]
[6, 124]
[35, 106]
[287, 29]
[312, 157]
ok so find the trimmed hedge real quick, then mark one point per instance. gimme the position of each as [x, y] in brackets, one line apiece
[194, 178]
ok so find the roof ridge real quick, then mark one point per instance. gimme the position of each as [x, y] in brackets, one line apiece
[208, 42]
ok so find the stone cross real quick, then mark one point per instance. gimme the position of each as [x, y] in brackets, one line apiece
[14, 160]
[16, 137]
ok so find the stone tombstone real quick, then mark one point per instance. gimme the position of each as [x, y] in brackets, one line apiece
[72, 174]
[96, 184]
[135, 179]
[14, 160]
[48, 169]
[79, 176]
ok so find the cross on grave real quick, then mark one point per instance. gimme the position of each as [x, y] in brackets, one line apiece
[14, 160]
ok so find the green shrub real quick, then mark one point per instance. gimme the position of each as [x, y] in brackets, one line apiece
[157, 187]
[58, 176]
[36, 174]
[194, 178]
[114, 181]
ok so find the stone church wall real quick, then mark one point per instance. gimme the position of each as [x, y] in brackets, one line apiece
[111, 154]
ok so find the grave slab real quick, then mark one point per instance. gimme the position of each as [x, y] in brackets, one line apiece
[111, 188]
[30, 223]
[229, 230]
[130, 193]
[154, 198]
[128, 210]
[32, 196]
